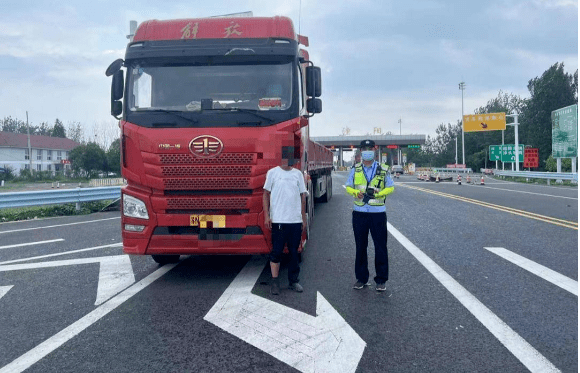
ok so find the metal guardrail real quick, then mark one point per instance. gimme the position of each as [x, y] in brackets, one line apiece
[539, 175]
[55, 197]
[452, 170]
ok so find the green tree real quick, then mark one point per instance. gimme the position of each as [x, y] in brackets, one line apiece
[114, 156]
[58, 129]
[75, 131]
[88, 159]
[553, 90]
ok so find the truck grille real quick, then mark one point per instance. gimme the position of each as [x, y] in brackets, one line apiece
[206, 171]
[224, 158]
[207, 203]
[214, 183]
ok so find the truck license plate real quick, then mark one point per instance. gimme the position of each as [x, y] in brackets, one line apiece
[217, 221]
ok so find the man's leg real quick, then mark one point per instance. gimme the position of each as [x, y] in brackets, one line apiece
[275, 256]
[293, 233]
[379, 235]
[360, 228]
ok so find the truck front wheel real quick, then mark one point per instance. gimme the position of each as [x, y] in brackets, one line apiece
[165, 259]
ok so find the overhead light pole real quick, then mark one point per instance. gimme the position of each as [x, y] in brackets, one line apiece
[462, 88]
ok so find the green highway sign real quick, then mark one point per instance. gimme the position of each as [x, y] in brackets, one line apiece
[414, 146]
[505, 153]
[565, 132]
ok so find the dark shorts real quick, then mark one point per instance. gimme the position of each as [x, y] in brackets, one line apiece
[287, 234]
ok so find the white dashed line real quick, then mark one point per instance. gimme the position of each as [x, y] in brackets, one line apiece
[539, 270]
[31, 243]
[519, 347]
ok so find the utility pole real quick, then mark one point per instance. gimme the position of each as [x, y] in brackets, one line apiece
[462, 88]
[455, 149]
[400, 133]
[29, 147]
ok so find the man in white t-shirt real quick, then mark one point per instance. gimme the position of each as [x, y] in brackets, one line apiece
[285, 214]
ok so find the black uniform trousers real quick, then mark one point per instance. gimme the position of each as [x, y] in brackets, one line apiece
[376, 222]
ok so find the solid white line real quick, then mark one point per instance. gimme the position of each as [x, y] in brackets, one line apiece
[521, 191]
[58, 225]
[31, 243]
[33, 356]
[539, 270]
[518, 346]
[63, 253]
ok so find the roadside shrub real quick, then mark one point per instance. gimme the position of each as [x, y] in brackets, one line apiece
[37, 212]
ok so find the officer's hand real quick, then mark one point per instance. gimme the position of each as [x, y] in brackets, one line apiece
[360, 194]
[268, 222]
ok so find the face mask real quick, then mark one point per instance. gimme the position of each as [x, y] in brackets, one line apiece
[368, 155]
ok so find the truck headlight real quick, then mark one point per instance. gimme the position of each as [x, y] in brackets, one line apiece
[134, 208]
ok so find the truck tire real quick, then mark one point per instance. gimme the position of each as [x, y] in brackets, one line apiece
[328, 195]
[165, 259]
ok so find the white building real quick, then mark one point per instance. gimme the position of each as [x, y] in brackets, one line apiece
[48, 153]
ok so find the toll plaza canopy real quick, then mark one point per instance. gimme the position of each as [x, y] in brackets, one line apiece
[389, 146]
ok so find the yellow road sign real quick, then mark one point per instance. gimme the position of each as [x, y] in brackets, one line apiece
[484, 122]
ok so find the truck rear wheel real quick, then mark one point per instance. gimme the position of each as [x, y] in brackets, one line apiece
[165, 259]
[328, 195]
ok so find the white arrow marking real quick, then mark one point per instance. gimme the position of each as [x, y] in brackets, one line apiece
[115, 272]
[325, 343]
[4, 290]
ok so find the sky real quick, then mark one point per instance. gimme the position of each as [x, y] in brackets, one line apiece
[381, 60]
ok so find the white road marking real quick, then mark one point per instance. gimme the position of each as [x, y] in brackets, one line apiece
[519, 347]
[4, 290]
[58, 225]
[115, 272]
[31, 243]
[539, 270]
[119, 244]
[521, 191]
[325, 343]
[34, 355]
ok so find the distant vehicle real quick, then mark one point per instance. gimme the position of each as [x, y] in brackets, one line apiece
[398, 168]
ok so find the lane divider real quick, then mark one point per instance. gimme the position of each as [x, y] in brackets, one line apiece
[527, 214]
[539, 270]
[518, 346]
[31, 243]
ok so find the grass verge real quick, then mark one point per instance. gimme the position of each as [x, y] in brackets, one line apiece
[37, 212]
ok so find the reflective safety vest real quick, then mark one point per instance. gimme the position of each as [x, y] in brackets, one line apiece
[378, 182]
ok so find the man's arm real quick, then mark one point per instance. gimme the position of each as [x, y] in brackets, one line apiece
[303, 201]
[266, 205]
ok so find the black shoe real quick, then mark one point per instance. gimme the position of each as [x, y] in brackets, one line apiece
[275, 288]
[359, 285]
[296, 287]
[381, 287]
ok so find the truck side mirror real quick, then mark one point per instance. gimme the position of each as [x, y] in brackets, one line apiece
[117, 86]
[314, 105]
[313, 81]
[116, 108]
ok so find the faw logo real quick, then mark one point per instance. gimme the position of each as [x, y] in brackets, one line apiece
[206, 146]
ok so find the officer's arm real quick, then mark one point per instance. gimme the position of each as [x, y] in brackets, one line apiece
[350, 184]
[389, 188]
[385, 192]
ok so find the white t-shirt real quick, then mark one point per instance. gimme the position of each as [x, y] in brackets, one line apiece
[285, 188]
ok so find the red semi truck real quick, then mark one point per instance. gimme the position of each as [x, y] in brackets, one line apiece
[205, 108]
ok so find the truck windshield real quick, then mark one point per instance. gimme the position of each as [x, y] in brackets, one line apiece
[260, 87]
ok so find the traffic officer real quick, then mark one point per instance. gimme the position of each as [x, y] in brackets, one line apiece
[369, 183]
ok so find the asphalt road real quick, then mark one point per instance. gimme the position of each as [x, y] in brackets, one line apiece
[453, 302]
